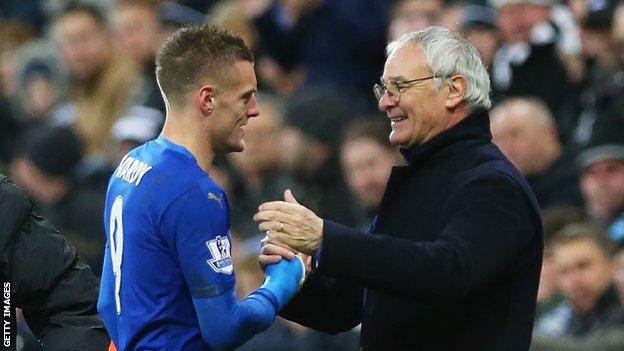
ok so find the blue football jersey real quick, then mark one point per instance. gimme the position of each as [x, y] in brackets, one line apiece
[168, 240]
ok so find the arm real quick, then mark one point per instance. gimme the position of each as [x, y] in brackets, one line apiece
[326, 304]
[56, 290]
[197, 229]
[489, 226]
[240, 320]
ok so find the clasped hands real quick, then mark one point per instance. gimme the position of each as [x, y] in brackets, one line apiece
[290, 229]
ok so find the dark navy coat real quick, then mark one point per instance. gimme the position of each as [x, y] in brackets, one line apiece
[452, 261]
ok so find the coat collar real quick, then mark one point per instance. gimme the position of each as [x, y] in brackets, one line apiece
[475, 127]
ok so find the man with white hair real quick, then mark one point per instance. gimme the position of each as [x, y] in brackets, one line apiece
[453, 257]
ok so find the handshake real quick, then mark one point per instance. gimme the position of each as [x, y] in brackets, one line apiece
[292, 232]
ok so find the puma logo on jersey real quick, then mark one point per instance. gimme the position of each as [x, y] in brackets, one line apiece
[132, 170]
[217, 198]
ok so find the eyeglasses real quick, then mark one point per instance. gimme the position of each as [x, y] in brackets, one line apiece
[394, 89]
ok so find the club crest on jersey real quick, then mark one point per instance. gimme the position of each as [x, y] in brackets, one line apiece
[221, 261]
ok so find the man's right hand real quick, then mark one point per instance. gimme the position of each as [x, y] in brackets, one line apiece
[273, 252]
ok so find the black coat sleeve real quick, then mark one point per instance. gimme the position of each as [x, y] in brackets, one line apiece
[490, 225]
[55, 289]
[326, 304]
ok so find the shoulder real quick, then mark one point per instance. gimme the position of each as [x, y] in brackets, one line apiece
[15, 207]
[492, 169]
[494, 179]
[152, 168]
[13, 201]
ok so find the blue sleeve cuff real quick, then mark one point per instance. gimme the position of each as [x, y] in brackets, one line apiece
[268, 295]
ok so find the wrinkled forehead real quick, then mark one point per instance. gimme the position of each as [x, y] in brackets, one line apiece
[405, 63]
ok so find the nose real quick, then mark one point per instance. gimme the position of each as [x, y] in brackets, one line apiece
[253, 110]
[385, 102]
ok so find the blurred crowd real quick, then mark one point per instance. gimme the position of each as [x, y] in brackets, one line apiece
[78, 91]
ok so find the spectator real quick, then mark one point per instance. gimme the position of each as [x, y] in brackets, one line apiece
[173, 16]
[315, 120]
[101, 79]
[41, 92]
[138, 125]
[611, 339]
[583, 260]
[230, 15]
[45, 168]
[367, 157]
[478, 24]
[137, 30]
[602, 179]
[413, 15]
[338, 43]
[258, 173]
[528, 63]
[603, 89]
[13, 34]
[548, 295]
[526, 132]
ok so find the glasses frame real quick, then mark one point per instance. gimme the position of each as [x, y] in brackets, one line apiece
[380, 89]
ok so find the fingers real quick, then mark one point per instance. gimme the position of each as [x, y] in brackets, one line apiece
[266, 260]
[289, 197]
[274, 226]
[272, 249]
[307, 262]
[282, 206]
[272, 215]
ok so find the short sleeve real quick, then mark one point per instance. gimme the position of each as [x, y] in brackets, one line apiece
[196, 227]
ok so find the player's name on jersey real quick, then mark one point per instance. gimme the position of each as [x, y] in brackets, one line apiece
[132, 170]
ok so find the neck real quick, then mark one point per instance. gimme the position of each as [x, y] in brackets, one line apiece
[184, 130]
[461, 112]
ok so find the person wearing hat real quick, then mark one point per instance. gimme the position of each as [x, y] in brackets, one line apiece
[478, 25]
[46, 168]
[602, 176]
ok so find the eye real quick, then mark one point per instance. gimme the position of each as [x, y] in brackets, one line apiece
[247, 97]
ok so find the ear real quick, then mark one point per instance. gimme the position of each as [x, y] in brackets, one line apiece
[204, 97]
[457, 90]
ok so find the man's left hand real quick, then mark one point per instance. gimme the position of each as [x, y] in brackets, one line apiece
[292, 224]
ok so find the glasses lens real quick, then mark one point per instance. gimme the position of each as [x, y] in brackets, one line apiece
[393, 92]
[379, 90]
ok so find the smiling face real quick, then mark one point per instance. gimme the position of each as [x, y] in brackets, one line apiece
[234, 104]
[420, 114]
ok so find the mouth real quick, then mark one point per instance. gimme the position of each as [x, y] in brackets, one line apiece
[397, 119]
